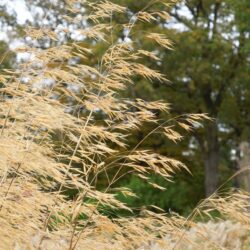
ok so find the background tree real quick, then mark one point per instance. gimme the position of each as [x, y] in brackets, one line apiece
[209, 69]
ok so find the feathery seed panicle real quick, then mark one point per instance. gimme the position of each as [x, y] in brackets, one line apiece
[54, 144]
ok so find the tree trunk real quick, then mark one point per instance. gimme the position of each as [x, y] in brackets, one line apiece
[211, 160]
[244, 166]
[211, 172]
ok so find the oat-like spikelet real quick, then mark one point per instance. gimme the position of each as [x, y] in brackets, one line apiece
[161, 40]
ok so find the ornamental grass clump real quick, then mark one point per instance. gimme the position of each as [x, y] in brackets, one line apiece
[54, 142]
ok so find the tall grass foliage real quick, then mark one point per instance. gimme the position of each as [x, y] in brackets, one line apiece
[52, 141]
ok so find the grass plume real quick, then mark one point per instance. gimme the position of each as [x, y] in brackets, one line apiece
[51, 141]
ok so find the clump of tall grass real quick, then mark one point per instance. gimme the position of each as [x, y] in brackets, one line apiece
[52, 141]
